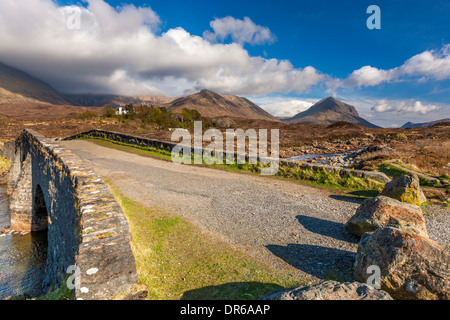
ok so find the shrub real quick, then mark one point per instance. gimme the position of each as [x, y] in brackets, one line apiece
[164, 117]
[400, 137]
[109, 112]
[87, 115]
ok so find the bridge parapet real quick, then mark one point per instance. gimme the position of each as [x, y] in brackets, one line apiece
[51, 188]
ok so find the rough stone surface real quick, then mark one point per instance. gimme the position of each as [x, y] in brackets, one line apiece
[51, 188]
[405, 189]
[330, 290]
[412, 266]
[384, 211]
[7, 150]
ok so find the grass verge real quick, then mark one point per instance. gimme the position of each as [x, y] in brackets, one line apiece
[177, 260]
[393, 171]
[60, 293]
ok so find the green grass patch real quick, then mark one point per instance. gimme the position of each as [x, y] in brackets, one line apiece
[400, 163]
[393, 171]
[428, 213]
[177, 260]
[332, 180]
[60, 293]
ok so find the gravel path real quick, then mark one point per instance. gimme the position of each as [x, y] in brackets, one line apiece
[290, 226]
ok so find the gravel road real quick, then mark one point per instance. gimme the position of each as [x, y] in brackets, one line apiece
[290, 226]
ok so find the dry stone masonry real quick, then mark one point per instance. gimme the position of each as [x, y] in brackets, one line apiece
[51, 188]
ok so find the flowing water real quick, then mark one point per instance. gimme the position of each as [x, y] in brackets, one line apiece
[22, 257]
[314, 156]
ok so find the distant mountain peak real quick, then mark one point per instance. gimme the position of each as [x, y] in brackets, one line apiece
[211, 104]
[328, 111]
[331, 98]
[424, 124]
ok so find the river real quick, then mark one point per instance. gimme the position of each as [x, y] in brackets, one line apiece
[22, 257]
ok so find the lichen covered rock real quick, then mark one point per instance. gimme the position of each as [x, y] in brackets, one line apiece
[383, 211]
[411, 266]
[405, 189]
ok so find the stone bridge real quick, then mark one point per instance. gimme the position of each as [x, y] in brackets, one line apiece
[52, 189]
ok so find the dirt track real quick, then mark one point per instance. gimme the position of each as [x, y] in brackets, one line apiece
[290, 226]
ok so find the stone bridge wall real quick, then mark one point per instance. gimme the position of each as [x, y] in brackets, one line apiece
[145, 142]
[51, 188]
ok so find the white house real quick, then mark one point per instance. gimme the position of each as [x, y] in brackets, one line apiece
[121, 111]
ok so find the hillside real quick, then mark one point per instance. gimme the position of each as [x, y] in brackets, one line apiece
[212, 105]
[328, 111]
[99, 100]
[424, 124]
[19, 87]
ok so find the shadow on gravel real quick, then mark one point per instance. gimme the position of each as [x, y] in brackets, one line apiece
[327, 228]
[321, 262]
[350, 199]
[231, 291]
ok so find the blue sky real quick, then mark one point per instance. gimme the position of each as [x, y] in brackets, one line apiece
[284, 55]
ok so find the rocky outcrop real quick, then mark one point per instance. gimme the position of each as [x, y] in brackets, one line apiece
[412, 266]
[405, 189]
[329, 290]
[384, 211]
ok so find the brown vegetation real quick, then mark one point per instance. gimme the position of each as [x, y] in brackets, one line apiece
[426, 149]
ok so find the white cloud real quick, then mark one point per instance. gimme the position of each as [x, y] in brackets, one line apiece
[369, 76]
[117, 51]
[434, 64]
[287, 107]
[240, 31]
[404, 106]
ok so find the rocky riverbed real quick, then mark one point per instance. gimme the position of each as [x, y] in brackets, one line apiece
[343, 159]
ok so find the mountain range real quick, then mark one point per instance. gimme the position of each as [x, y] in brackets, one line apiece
[424, 124]
[17, 87]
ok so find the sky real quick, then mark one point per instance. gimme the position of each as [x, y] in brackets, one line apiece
[284, 55]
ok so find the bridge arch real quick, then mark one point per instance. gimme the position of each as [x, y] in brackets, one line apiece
[40, 216]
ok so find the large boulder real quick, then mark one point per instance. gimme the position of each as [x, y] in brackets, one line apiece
[383, 211]
[329, 290]
[411, 266]
[405, 188]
